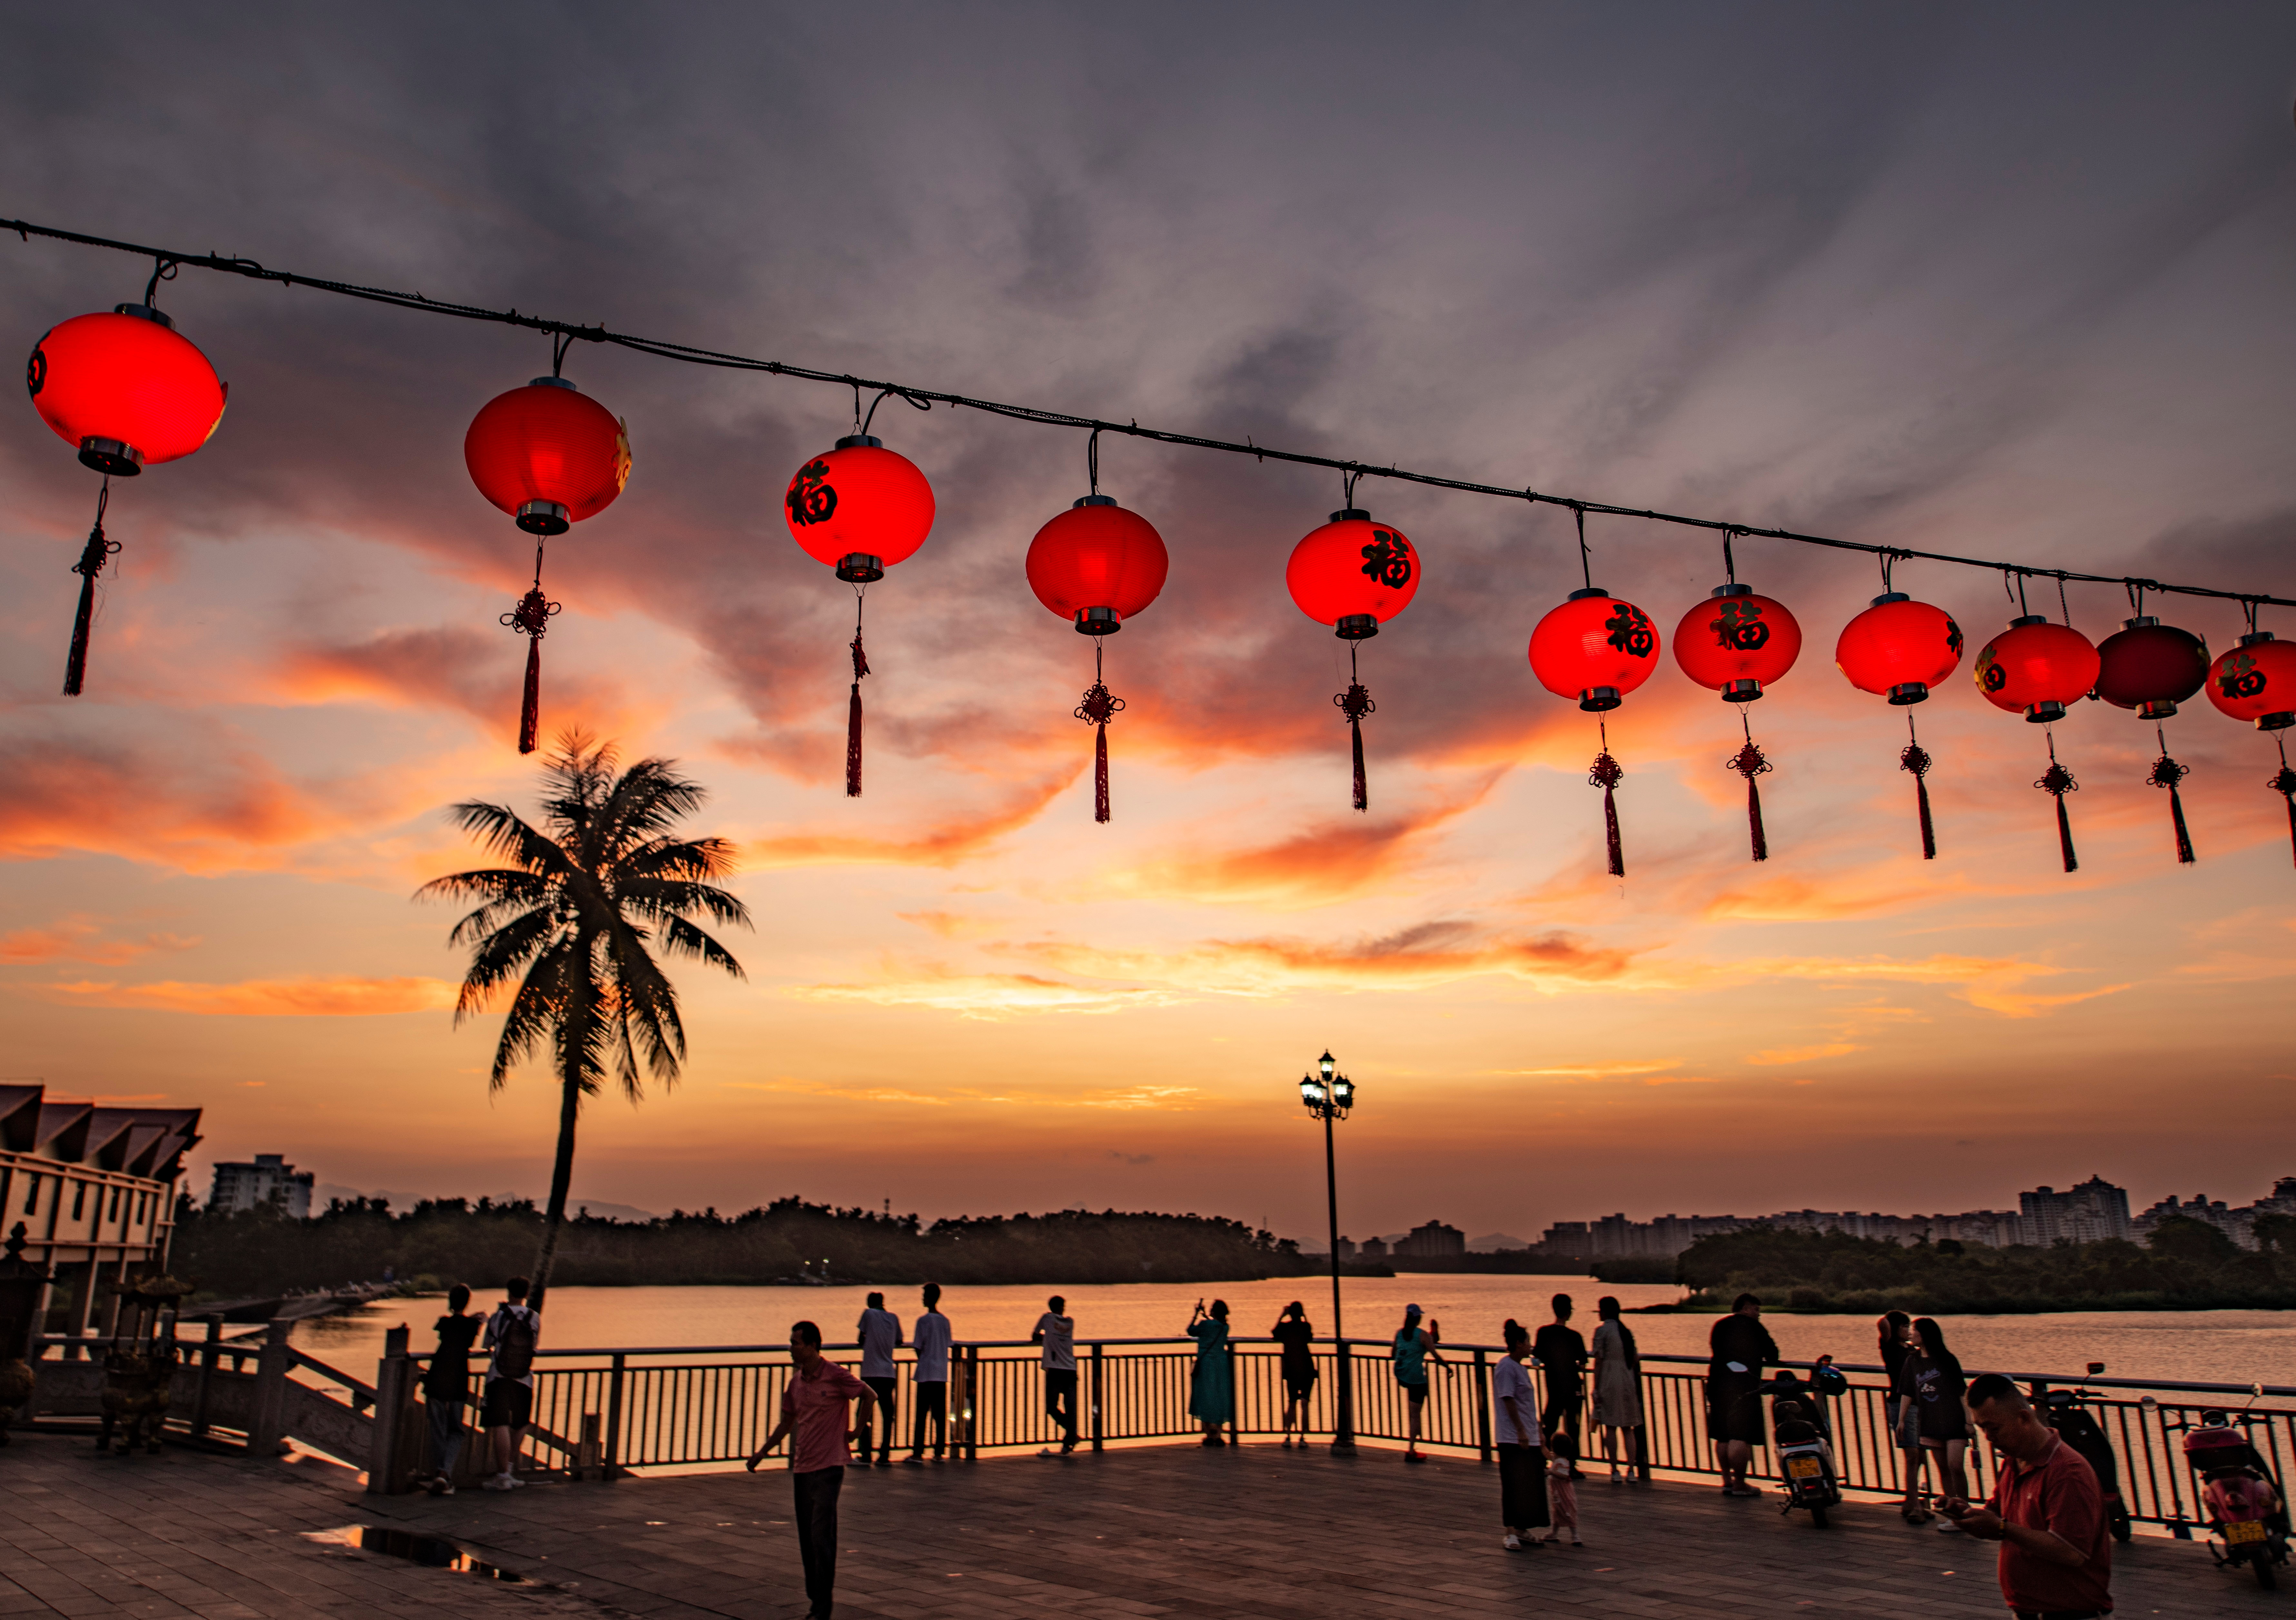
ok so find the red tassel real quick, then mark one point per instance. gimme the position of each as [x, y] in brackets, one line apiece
[2167, 773]
[1606, 774]
[2065, 837]
[853, 720]
[1099, 706]
[529, 717]
[1749, 763]
[1916, 759]
[2059, 781]
[531, 619]
[1355, 703]
[2284, 785]
[1100, 772]
[92, 559]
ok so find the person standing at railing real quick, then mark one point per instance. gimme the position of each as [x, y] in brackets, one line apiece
[447, 1386]
[512, 1333]
[1562, 1354]
[1415, 1348]
[1055, 1330]
[1618, 1385]
[2048, 1511]
[1740, 1347]
[1932, 1380]
[1514, 1427]
[1212, 1391]
[1296, 1335]
[813, 1407]
[929, 1383]
[880, 1336]
[1896, 1331]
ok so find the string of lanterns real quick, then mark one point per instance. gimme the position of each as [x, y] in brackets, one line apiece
[129, 391]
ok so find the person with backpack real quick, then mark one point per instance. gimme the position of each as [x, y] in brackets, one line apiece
[512, 1333]
[447, 1387]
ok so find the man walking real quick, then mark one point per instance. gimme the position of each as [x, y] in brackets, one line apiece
[880, 1336]
[512, 1332]
[1563, 1354]
[929, 1384]
[1056, 1332]
[814, 1406]
[2048, 1511]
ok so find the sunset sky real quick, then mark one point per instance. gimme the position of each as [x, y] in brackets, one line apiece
[2008, 283]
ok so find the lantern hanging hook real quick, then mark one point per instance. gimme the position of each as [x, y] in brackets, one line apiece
[1586, 565]
[2063, 611]
[2023, 610]
[1092, 462]
[2136, 597]
[560, 342]
[1347, 476]
[1729, 561]
[1887, 560]
[163, 269]
[2249, 606]
[922, 405]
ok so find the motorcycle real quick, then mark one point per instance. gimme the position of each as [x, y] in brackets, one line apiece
[1806, 1463]
[2066, 1411]
[2247, 1512]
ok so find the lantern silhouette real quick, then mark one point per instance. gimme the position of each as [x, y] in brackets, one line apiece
[1354, 574]
[128, 391]
[1097, 565]
[1735, 645]
[1594, 648]
[1899, 649]
[2036, 668]
[2256, 680]
[2151, 666]
[551, 457]
[860, 508]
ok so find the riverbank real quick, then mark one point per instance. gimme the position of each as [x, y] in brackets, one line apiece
[1924, 1301]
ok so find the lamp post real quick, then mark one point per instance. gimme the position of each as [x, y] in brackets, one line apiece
[1329, 1095]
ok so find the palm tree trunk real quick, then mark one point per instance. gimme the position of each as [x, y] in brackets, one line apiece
[574, 1047]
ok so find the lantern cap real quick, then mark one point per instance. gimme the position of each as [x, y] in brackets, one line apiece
[551, 383]
[1886, 597]
[860, 568]
[1600, 700]
[1092, 500]
[1909, 692]
[2044, 713]
[114, 458]
[1732, 589]
[1356, 627]
[545, 518]
[145, 312]
[1349, 514]
[1097, 621]
[2255, 637]
[859, 441]
[1740, 691]
[2142, 621]
[1583, 595]
[2023, 619]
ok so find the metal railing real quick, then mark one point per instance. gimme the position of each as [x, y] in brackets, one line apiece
[708, 1406]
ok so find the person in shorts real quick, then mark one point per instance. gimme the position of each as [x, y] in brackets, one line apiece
[1296, 1335]
[1415, 1348]
[513, 1332]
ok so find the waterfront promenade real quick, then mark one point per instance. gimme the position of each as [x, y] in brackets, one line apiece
[1170, 1530]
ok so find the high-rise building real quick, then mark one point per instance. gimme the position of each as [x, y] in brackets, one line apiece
[2090, 1213]
[270, 1180]
[1433, 1241]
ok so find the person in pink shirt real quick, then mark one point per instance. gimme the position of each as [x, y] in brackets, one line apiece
[814, 1409]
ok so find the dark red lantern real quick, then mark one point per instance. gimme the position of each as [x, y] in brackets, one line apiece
[2037, 669]
[860, 508]
[2150, 666]
[1096, 565]
[1594, 648]
[1899, 649]
[1353, 575]
[1737, 643]
[2257, 681]
[128, 391]
[549, 457]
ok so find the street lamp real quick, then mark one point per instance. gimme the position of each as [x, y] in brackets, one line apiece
[1329, 1095]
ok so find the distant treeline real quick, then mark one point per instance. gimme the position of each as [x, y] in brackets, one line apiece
[2183, 1265]
[260, 1252]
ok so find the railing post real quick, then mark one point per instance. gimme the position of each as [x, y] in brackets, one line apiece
[1098, 1385]
[1484, 1405]
[394, 1395]
[271, 1366]
[1234, 1398]
[972, 1365]
[613, 1457]
[207, 1359]
[1343, 1427]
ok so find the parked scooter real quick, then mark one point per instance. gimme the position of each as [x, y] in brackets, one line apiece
[1798, 1426]
[2066, 1411]
[2247, 1512]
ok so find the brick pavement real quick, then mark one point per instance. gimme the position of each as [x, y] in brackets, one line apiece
[1258, 1532]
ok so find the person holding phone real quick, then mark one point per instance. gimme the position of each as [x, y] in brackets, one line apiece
[814, 1409]
[1212, 1393]
[2048, 1511]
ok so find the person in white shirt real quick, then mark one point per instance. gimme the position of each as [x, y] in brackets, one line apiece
[1514, 1426]
[512, 1332]
[880, 1336]
[1056, 1332]
[929, 1384]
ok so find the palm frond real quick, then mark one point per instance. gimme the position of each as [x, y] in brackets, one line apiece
[680, 937]
[502, 832]
[535, 1015]
[499, 956]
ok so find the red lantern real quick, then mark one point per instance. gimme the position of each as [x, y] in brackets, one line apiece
[1096, 565]
[860, 508]
[2257, 681]
[1594, 648]
[549, 457]
[2151, 666]
[2036, 668]
[1353, 575]
[1898, 647]
[1737, 643]
[128, 392]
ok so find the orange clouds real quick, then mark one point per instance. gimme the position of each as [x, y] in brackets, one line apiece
[80, 939]
[955, 839]
[333, 997]
[201, 815]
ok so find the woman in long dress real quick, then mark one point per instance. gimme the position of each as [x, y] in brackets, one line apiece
[1211, 1394]
[1618, 1385]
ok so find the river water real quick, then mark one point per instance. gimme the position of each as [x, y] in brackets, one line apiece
[2223, 1347]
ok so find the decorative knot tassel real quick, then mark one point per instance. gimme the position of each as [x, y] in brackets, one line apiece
[1355, 703]
[1749, 763]
[1100, 772]
[1606, 774]
[2167, 773]
[530, 715]
[853, 720]
[1916, 759]
[1100, 705]
[2058, 782]
[2284, 785]
[93, 556]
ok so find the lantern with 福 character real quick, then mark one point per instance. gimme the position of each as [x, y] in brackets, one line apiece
[549, 457]
[1594, 648]
[1097, 565]
[2152, 667]
[1354, 574]
[859, 508]
[1899, 649]
[128, 391]
[2036, 670]
[1737, 643]
[2255, 681]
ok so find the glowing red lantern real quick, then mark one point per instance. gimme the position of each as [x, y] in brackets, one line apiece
[1737, 643]
[860, 508]
[2257, 681]
[1097, 565]
[1594, 648]
[1898, 647]
[2036, 668]
[1353, 575]
[128, 391]
[549, 457]
[2151, 666]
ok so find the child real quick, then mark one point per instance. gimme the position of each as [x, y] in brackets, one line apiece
[1562, 1494]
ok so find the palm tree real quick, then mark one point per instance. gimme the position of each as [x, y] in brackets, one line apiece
[574, 912]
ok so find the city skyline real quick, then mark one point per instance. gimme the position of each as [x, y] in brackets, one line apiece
[1831, 306]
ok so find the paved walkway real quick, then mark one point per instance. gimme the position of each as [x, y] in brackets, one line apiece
[1178, 1531]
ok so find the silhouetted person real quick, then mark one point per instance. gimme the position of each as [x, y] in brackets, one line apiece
[1931, 1378]
[880, 1336]
[814, 1406]
[1514, 1427]
[1056, 1332]
[1618, 1389]
[1296, 1335]
[1563, 1354]
[929, 1385]
[512, 1333]
[1212, 1391]
[1415, 1348]
[447, 1387]
[1740, 1347]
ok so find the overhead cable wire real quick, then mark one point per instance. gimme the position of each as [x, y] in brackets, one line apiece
[167, 261]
